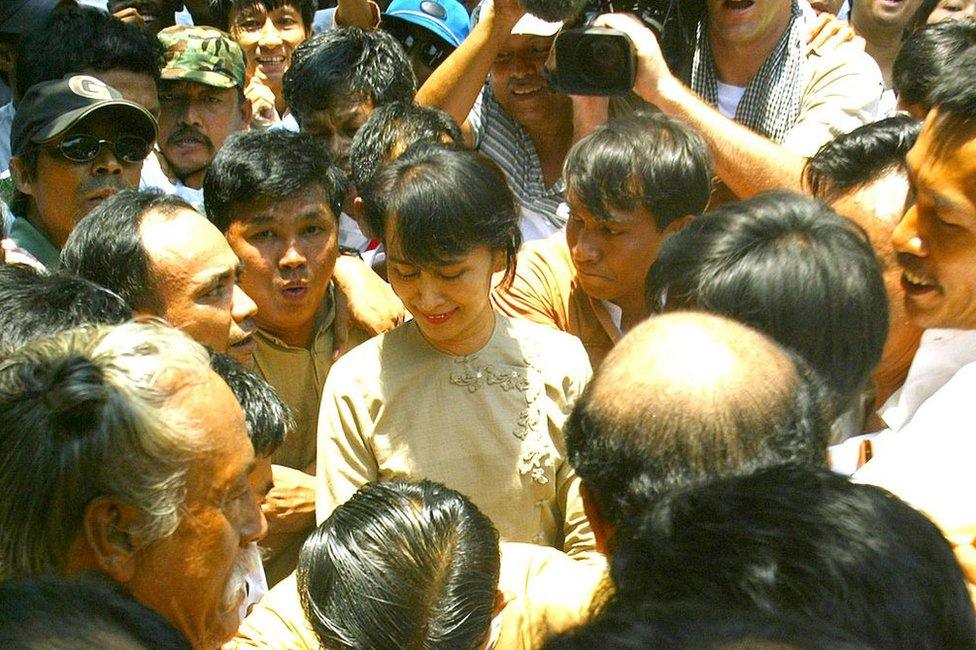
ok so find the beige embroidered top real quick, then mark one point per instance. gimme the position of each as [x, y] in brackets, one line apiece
[488, 425]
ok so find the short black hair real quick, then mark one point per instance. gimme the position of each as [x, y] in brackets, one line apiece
[78, 38]
[788, 266]
[82, 612]
[805, 542]
[925, 55]
[425, 555]
[275, 164]
[347, 64]
[954, 93]
[267, 417]
[447, 201]
[34, 304]
[390, 130]
[106, 246]
[697, 626]
[649, 159]
[220, 10]
[861, 156]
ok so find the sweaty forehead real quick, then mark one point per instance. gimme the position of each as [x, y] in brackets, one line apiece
[185, 240]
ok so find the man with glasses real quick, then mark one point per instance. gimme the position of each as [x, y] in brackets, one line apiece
[75, 142]
[428, 30]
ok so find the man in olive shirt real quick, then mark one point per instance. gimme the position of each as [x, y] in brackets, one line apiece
[276, 195]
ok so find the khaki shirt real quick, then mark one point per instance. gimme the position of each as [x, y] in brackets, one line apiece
[298, 375]
[545, 290]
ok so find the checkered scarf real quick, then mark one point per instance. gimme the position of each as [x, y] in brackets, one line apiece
[771, 103]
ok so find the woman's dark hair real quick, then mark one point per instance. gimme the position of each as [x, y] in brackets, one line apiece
[447, 201]
[401, 565]
[790, 267]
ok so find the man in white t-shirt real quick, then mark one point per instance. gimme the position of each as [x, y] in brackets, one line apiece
[764, 98]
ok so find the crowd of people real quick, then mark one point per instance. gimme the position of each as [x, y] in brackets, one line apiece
[340, 325]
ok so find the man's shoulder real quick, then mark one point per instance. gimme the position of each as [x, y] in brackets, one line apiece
[549, 257]
[842, 61]
[550, 592]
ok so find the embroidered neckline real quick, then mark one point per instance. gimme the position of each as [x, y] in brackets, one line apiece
[472, 375]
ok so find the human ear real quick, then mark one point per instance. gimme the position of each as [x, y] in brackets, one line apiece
[21, 176]
[602, 529]
[499, 261]
[678, 224]
[7, 53]
[107, 527]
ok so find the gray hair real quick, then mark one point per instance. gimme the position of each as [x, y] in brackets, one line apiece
[85, 414]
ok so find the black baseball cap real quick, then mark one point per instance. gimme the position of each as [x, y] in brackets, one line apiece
[50, 108]
[23, 16]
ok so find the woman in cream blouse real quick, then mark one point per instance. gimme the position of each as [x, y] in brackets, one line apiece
[460, 394]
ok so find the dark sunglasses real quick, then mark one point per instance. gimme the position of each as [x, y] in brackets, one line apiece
[85, 148]
[431, 50]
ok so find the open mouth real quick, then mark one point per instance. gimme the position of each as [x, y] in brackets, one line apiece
[915, 284]
[438, 319]
[526, 90]
[737, 5]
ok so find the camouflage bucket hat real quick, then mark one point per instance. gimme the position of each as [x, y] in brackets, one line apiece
[205, 55]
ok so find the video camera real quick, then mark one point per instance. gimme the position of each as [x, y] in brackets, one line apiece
[601, 61]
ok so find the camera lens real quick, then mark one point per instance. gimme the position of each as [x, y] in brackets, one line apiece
[601, 60]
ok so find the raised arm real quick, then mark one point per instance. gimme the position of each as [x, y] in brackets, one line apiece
[455, 84]
[748, 163]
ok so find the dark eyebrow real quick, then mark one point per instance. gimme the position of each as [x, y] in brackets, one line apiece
[259, 220]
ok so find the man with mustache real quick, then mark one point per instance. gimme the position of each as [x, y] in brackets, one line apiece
[129, 457]
[201, 98]
[75, 142]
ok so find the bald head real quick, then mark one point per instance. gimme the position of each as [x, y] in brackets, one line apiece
[685, 397]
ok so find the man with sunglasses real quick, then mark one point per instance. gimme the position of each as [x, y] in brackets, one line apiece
[428, 30]
[75, 142]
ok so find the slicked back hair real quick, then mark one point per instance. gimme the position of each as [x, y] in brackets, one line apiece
[425, 555]
[861, 156]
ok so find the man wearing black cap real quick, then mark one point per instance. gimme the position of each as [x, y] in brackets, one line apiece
[17, 17]
[75, 142]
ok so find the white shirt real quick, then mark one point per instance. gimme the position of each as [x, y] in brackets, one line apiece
[7, 113]
[728, 98]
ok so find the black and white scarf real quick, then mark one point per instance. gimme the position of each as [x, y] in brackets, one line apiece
[771, 103]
